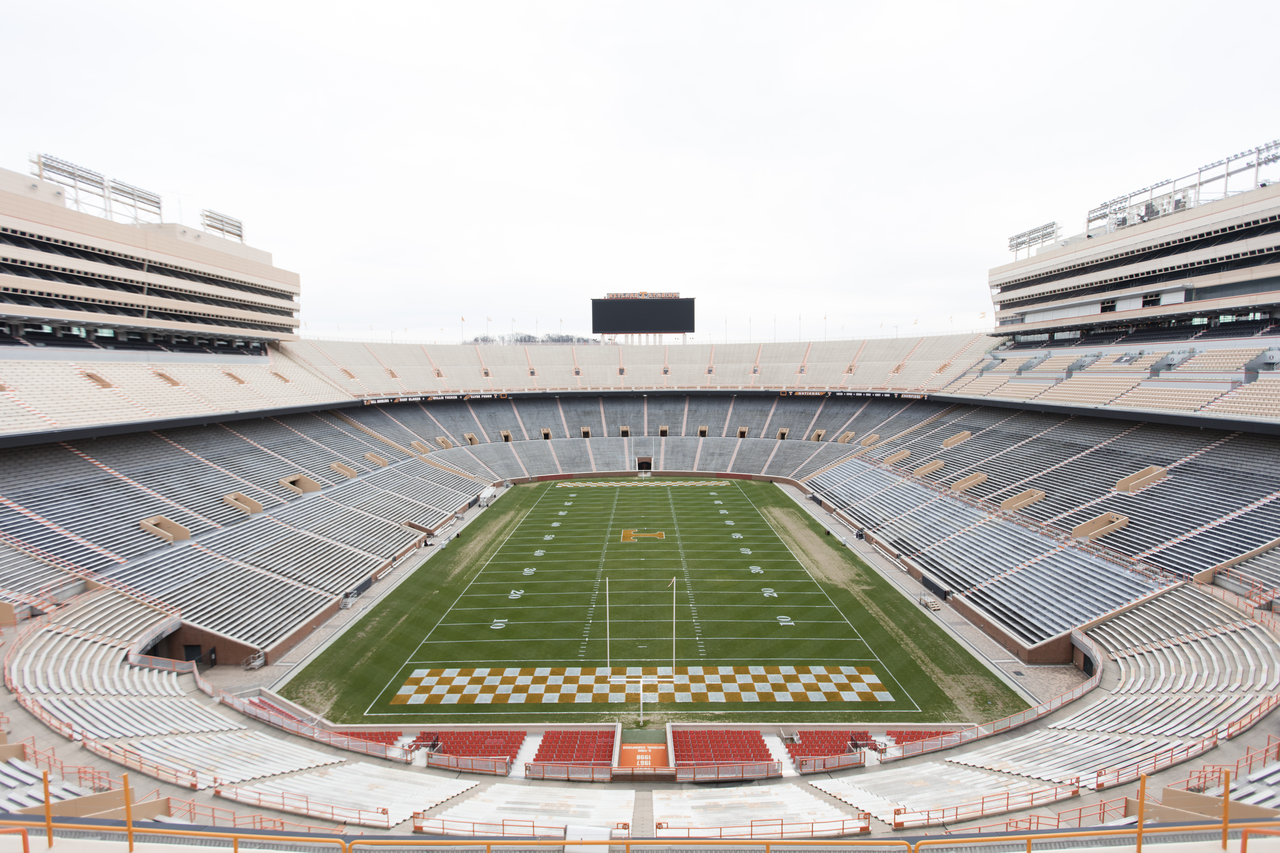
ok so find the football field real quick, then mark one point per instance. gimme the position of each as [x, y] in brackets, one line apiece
[602, 591]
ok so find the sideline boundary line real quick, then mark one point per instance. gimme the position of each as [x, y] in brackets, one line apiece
[455, 601]
[883, 669]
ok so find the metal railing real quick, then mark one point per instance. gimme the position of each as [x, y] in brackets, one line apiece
[568, 772]
[1100, 812]
[1110, 776]
[770, 828]
[517, 828]
[288, 801]
[729, 772]
[824, 763]
[1013, 721]
[988, 805]
[491, 766]
[315, 733]
[555, 839]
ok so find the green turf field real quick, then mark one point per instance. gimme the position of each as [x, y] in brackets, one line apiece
[566, 600]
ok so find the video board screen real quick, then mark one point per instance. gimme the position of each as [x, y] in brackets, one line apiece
[641, 316]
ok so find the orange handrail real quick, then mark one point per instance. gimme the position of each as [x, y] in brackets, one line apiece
[15, 830]
[1254, 830]
[171, 831]
[1093, 832]
[628, 844]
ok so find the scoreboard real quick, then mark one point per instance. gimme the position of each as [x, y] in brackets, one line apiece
[642, 314]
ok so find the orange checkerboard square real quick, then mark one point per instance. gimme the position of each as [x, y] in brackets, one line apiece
[601, 685]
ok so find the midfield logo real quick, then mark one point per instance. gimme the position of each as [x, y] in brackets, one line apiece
[632, 536]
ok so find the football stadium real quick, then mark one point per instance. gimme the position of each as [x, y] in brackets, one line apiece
[635, 587]
[276, 586]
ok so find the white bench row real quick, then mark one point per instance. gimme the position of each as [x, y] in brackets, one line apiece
[1161, 716]
[544, 806]
[342, 792]
[1181, 611]
[1241, 657]
[23, 787]
[115, 718]
[920, 788]
[231, 757]
[1061, 756]
[693, 807]
[254, 606]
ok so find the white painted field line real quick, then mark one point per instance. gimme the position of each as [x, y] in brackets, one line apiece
[446, 613]
[595, 587]
[883, 669]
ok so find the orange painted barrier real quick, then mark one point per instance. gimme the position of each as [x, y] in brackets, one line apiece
[18, 830]
[991, 804]
[822, 764]
[568, 772]
[770, 828]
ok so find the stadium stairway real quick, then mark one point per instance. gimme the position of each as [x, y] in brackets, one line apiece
[528, 750]
[778, 751]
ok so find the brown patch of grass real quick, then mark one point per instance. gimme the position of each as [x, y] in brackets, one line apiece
[318, 697]
[830, 566]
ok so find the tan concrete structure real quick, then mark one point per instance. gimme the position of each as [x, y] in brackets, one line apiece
[165, 528]
[1084, 286]
[1145, 477]
[115, 277]
[1099, 526]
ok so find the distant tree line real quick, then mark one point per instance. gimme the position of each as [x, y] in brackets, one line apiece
[526, 338]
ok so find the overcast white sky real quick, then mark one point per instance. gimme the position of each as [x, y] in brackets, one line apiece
[421, 162]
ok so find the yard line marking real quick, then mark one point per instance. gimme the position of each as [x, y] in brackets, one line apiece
[595, 588]
[684, 567]
[464, 592]
[883, 668]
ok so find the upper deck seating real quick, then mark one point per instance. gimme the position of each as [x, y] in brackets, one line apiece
[1258, 399]
[1218, 361]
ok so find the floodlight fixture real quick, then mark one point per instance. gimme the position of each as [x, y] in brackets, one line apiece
[1046, 233]
[220, 223]
[1173, 195]
[97, 194]
[141, 202]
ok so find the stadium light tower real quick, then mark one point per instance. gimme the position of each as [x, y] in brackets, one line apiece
[1046, 233]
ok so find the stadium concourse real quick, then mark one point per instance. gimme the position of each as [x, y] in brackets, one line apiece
[164, 507]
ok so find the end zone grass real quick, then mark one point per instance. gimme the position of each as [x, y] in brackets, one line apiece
[772, 621]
